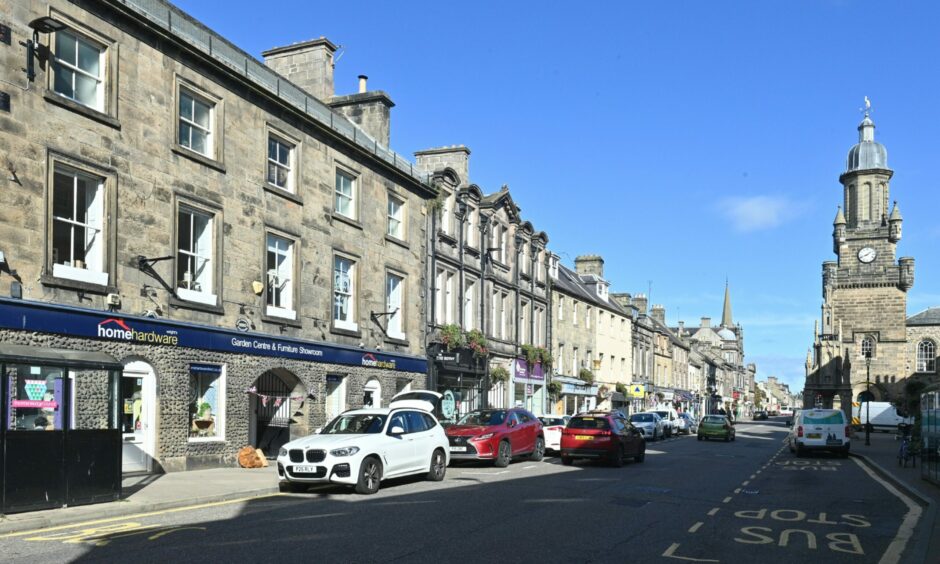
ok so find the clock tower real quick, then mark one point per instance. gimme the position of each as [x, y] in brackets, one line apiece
[864, 309]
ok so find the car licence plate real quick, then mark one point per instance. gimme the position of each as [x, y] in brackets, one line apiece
[584, 437]
[813, 436]
[458, 449]
[305, 469]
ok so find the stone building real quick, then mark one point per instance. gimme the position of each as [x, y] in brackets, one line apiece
[864, 335]
[241, 240]
[488, 274]
[592, 335]
[643, 337]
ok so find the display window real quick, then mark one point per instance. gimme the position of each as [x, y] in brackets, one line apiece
[35, 395]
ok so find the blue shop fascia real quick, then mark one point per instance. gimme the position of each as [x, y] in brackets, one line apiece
[180, 395]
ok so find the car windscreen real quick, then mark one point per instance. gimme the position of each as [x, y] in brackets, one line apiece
[715, 419]
[642, 418]
[484, 417]
[364, 423]
[547, 421]
[830, 418]
[663, 414]
[588, 423]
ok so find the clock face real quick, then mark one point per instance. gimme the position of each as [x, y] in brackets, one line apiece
[867, 255]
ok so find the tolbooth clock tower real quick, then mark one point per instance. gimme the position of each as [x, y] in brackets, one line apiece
[864, 309]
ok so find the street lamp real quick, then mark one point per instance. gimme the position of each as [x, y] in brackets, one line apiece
[868, 397]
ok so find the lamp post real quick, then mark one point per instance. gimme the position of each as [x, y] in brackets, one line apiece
[868, 398]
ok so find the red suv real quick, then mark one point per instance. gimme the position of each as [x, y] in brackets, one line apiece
[497, 435]
[602, 434]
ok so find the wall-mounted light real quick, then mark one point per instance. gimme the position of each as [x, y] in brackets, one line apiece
[44, 25]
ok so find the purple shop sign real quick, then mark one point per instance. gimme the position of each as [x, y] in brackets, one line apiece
[522, 373]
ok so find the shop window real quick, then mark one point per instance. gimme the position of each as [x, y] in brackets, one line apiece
[36, 398]
[206, 409]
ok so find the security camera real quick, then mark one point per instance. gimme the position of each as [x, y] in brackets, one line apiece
[362, 345]
[378, 347]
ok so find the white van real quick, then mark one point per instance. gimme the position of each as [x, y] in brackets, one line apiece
[819, 429]
[884, 416]
[670, 419]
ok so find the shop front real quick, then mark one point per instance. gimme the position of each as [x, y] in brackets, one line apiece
[576, 395]
[459, 375]
[61, 442]
[528, 386]
[186, 396]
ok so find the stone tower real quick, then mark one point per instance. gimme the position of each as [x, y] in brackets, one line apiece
[864, 308]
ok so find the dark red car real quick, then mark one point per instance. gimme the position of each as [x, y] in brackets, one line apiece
[603, 435]
[497, 435]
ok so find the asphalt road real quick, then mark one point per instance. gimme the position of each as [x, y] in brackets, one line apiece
[744, 501]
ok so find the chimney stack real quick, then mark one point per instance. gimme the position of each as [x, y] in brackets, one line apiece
[362, 83]
[640, 302]
[308, 64]
[589, 264]
[456, 157]
[706, 322]
[659, 313]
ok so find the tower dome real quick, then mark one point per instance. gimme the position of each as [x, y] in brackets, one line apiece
[867, 154]
[727, 335]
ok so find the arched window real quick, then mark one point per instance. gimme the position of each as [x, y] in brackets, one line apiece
[926, 356]
[868, 347]
[877, 379]
[372, 394]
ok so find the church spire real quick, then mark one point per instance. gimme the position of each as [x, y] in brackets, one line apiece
[726, 312]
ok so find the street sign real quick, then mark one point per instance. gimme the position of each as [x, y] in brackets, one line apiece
[637, 390]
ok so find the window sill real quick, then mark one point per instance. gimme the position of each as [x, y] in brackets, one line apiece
[346, 332]
[501, 265]
[68, 284]
[471, 250]
[401, 340]
[275, 320]
[347, 220]
[283, 193]
[447, 238]
[205, 439]
[180, 303]
[82, 109]
[397, 241]
[201, 159]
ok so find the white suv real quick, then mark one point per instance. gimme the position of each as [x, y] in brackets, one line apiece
[819, 429]
[670, 420]
[362, 447]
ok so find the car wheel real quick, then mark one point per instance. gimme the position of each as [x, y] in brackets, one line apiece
[799, 451]
[370, 474]
[732, 436]
[539, 452]
[700, 437]
[438, 466]
[291, 487]
[640, 457]
[728, 437]
[504, 457]
[617, 459]
[567, 460]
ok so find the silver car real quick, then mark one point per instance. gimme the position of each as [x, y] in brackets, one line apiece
[650, 424]
[688, 424]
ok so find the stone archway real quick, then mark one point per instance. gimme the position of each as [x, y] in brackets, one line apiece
[278, 410]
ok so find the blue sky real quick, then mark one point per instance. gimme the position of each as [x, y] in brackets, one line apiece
[684, 142]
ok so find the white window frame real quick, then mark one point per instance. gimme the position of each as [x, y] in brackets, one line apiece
[220, 416]
[524, 323]
[335, 398]
[395, 305]
[867, 343]
[289, 167]
[338, 195]
[525, 258]
[344, 287]
[587, 317]
[447, 212]
[93, 269]
[395, 217]
[469, 301]
[473, 219]
[77, 72]
[445, 298]
[561, 308]
[281, 277]
[205, 279]
[191, 123]
[926, 356]
[574, 312]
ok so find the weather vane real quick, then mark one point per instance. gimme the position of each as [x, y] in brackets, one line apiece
[867, 108]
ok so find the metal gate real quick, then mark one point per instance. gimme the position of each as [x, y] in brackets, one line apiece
[272, 413]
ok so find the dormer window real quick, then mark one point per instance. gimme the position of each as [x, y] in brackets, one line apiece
[553, 267]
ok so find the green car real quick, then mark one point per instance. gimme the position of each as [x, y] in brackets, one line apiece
[715, 427]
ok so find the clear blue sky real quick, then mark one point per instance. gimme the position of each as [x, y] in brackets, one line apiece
[684, 142]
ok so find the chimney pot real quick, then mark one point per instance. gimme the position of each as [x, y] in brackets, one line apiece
[362, 83]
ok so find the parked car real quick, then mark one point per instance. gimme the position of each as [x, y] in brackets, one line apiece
[670, 420]
[819, 429]
[363, 447]
[760, 416]
[649, 424]
[601, 435]
[498, 435]
[688, 424]
[716, 427]
[552, 426]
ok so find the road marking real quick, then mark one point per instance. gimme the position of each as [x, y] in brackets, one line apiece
[671, 553]
[745, 482]
[305, 517]
[726, 500]
[695, 527]
[714, 511]
[736, 491]
[754, 475]
[136, 516]
[893, 553]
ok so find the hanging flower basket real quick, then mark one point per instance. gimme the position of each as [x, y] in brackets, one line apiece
[499, 374]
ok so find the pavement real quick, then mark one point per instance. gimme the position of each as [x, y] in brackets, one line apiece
[882, 455]
[144, 494]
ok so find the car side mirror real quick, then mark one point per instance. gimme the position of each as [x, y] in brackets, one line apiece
[396, 430]
[511, 424]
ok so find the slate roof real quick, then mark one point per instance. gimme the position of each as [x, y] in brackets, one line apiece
[572, 284]
[930, 316]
